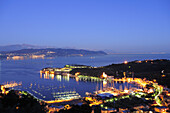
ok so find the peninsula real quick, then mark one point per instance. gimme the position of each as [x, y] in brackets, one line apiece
[150, 94]
[157, 70]
[48, 52]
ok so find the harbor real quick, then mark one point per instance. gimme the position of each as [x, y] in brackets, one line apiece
[108, 92]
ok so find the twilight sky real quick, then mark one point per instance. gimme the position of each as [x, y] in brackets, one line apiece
[125, 26]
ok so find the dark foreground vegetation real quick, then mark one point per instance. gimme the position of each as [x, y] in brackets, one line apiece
[150, 69]
[85, 108]
[129, 103]
[13, 102]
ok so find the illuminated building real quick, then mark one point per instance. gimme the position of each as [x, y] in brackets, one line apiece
[77, 66]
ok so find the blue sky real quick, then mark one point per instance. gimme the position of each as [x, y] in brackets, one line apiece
[127, 26]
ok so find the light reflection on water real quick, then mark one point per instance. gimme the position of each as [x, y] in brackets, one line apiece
[27, 72]
[63, 84]
[68, 84]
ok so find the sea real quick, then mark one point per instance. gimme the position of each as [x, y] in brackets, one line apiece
[28, 72]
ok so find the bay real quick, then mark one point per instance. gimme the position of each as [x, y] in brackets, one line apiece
[27, 72]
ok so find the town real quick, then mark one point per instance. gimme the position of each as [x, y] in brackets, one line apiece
[146, 97]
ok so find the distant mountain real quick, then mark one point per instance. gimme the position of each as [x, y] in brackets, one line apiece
[109, 51]
[19, 47]
[50, 52]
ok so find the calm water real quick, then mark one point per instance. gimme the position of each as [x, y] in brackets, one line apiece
[27, 71]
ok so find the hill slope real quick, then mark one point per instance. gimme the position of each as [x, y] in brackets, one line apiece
[19, 47]
[52, 52]
[150, 69]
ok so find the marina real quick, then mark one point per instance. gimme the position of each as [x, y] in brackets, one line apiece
[57, 88]
[85, 56]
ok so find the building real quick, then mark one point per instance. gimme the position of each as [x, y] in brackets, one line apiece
[72, 66]
[161, 109]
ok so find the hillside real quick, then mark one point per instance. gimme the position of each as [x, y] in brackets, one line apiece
[19, 47]
[150, 69]
[51, 52]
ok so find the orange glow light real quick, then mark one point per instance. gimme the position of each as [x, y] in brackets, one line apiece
[104, 75]
[125, 62]
[163, 75]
